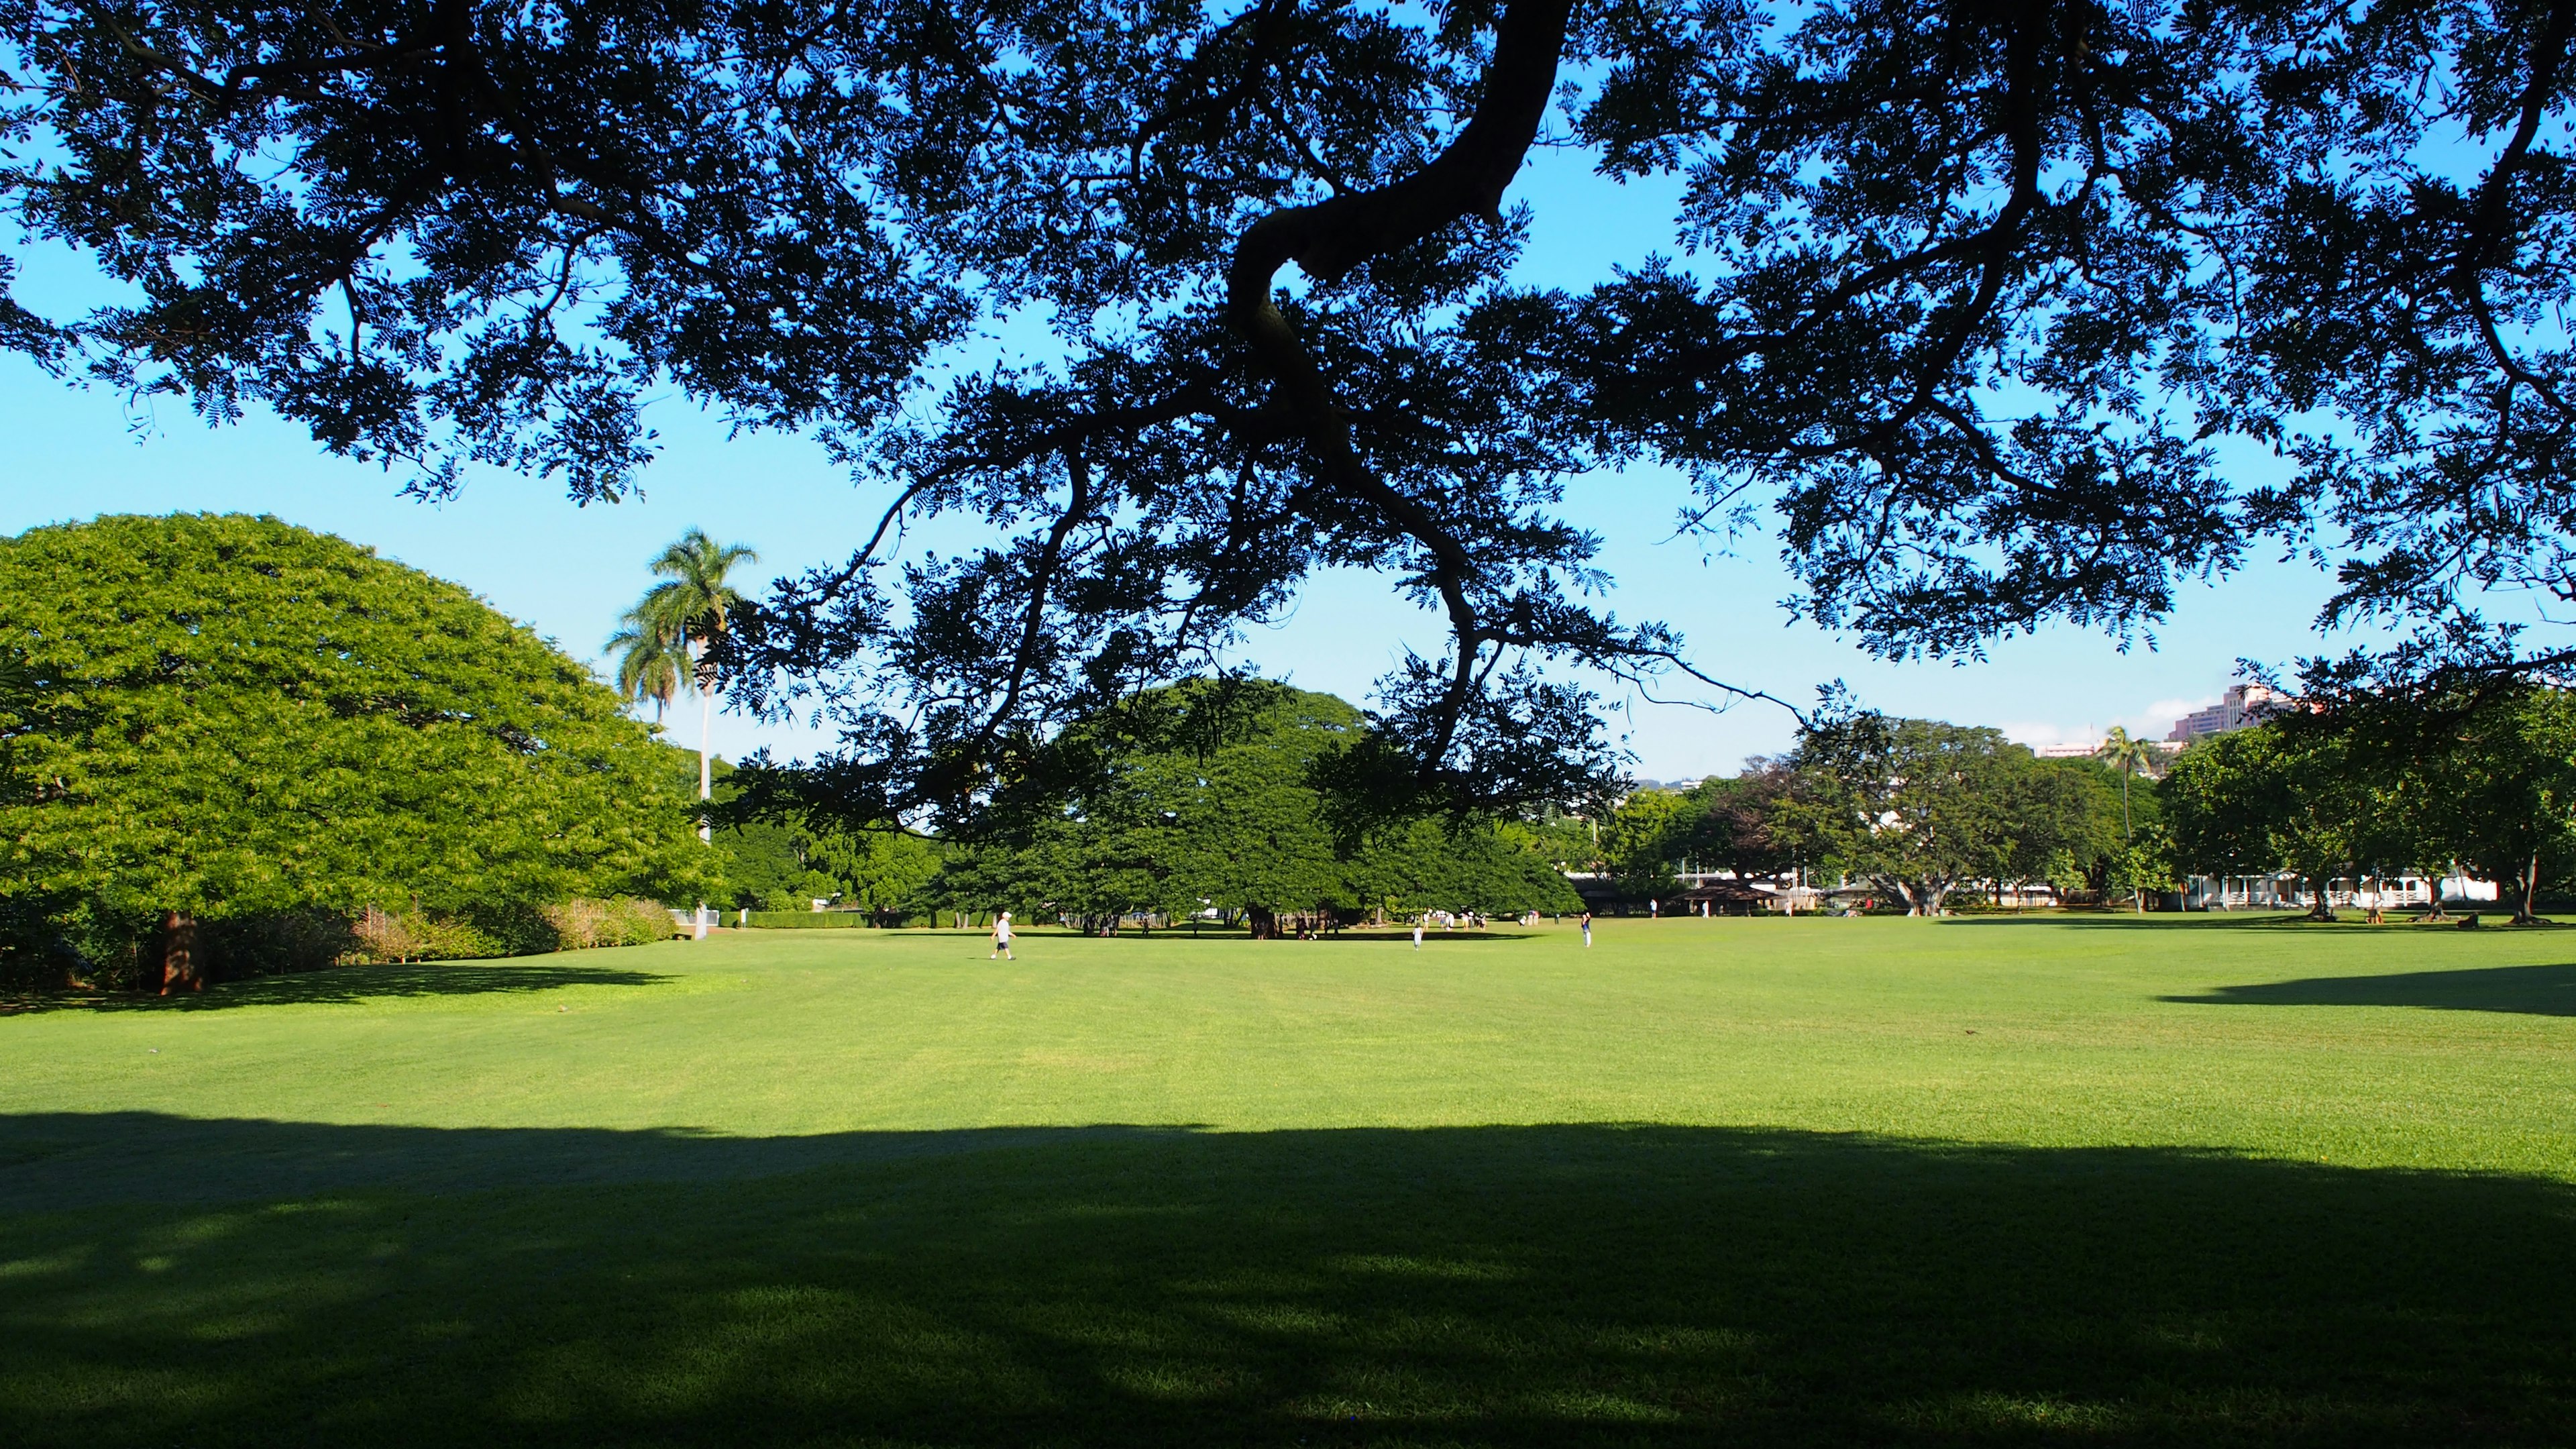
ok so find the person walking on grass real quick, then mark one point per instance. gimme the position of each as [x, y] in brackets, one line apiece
[1002, 938]
[1417, 932]
[1586, 922]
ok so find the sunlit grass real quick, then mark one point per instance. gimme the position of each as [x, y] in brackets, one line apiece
[1754, 1181]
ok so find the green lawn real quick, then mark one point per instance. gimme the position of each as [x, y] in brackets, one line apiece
[2215, 1180]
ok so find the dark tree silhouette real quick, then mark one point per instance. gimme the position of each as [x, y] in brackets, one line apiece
[1969, 294]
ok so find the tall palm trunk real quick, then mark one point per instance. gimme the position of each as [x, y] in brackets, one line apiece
[706, 742]
[706, 768]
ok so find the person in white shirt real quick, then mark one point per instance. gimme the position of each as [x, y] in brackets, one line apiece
[1002, 938]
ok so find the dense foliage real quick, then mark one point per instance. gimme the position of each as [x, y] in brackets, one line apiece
[1914, 809]
[2488, 787]
[1209, 803]
[1970, 297]
[233, 718]
[1921, 808]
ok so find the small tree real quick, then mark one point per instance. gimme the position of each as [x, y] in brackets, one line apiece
[2143, 864]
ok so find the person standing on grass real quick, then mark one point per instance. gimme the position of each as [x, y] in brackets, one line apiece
[1002, 938]
[1417, 931]
[1586, 922]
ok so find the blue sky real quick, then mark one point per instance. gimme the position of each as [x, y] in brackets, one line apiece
[569, 571]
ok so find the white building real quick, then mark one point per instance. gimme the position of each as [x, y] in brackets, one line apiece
[2242, 705]
[2284, 892]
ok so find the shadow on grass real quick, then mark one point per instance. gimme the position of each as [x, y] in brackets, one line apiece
[342, 984]
[2526, 990]
[2165, 920]
[1354, 936]
[2346, 918]
[1651, 1286]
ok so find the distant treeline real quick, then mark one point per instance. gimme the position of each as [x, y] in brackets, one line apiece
[1916, 811]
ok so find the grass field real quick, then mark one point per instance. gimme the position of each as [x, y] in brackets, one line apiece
[2015, 1181]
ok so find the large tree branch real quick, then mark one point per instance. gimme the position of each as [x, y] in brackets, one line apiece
[2486, 247]
[1330, 238]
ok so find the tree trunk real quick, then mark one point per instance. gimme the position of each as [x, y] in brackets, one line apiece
[2320, 899]
[2528, 912]
[182, 968]
[706, 766]
[1265, 922]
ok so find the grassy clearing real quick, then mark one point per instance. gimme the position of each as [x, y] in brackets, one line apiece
[2108, 1180]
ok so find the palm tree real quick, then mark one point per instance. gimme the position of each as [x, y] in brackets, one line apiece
[2129, 756]
[2126, 755]
[663, 643]
[649, 666]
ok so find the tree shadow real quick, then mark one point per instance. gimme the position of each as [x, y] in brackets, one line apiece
[1348, 936]
[2347, 918]
[1649, 1286]
[2523, 990]
[2169, 921]
[343, 984]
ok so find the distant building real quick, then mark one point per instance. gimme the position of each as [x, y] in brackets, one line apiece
[2242, 705]
[2087, 749]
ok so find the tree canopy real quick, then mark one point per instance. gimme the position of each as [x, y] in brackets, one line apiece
[1921, 807]
[233, 716]
[2487, 785]
[1969, 300]
[1209, 798]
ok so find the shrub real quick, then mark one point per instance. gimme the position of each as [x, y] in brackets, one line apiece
[278, 941]
[587, 922]
[415, 935]
[808, 920]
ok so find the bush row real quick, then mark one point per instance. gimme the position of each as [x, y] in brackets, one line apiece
[277, 942]
[808, 920]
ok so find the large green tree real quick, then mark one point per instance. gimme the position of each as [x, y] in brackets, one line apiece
[1922, 807]
[1737, 821]
[1494, 868]
[1643, 842]
[1205, 795]
[886, 873]
[2512, 795]
[1973, 294]
[2486, 781]
[2128, 755]
[2273, 799]
[235, 716]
